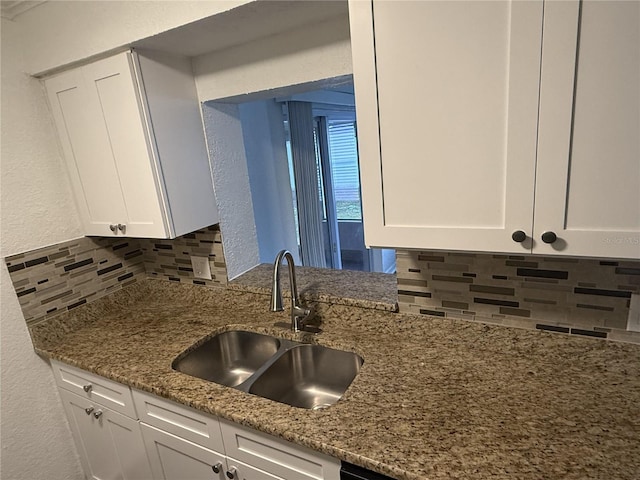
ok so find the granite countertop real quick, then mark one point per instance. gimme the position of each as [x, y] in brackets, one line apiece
[342, 287]
[435, 398]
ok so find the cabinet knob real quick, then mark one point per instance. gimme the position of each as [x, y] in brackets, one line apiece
[97, 413]
[518, 236]
[88, 410]
[113, 228]
[87, 388]
[122, 227]
[549, 237]
[217, 468]
[232, 473]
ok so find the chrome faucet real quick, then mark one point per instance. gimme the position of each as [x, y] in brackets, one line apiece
[299, 313]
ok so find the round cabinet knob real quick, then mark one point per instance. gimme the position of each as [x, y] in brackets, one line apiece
[232, 473]
[122, 227]
[549, 237]
[113, 228]
[87, 388]
[217, 468]
[519, 236]
[97, 413]
[88, 410]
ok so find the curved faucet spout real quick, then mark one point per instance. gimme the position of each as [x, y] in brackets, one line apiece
[298, 313]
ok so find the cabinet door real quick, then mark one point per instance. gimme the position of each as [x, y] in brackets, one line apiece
[111, 446]
[588, 180]
[92, 171]
[99, 115]
[174, 458]
[447, 99]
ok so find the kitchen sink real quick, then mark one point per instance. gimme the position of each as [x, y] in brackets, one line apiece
[300, 375]
[308, 376]
[228, 358]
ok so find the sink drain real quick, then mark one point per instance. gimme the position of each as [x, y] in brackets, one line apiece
[320, 406]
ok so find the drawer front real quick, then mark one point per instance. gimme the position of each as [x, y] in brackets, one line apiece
[95, 388]
[179, 420]
[242, 471]
[277, 456]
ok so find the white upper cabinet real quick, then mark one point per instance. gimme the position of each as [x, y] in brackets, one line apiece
[133, 139]
[466, 115]
[588, 170]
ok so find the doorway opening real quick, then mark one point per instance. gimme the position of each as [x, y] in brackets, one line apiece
[326, 127]
[303, 169]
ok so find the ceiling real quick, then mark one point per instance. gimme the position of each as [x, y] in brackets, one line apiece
[243, 24]
[9, 9]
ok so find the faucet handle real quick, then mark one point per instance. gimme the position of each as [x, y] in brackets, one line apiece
[303, 315]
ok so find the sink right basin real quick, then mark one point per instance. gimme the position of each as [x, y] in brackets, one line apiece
[308, 376]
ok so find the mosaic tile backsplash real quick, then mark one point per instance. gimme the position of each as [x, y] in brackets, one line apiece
[566, 295]
[61, 277]
[171, 259]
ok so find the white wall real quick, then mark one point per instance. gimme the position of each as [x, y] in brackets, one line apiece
[233, 192]
[36, 210]
[264, 143]
[60, 32]
[303, 55]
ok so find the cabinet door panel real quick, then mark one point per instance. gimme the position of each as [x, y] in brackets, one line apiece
[91, 169]
[113, 88]
[276, 456]
[174, 458]
[456, 84]
[111, 446]
[588, 185]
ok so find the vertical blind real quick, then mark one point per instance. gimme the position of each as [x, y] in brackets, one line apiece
[343, 154]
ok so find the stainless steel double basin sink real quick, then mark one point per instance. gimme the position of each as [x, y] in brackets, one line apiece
[298, 374]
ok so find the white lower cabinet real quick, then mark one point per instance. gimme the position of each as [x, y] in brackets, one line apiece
[126, 434]
[183, 443]
[174, 458]
[109, 443]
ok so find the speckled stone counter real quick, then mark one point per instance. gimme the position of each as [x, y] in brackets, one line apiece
[342, 287]
[435, 398]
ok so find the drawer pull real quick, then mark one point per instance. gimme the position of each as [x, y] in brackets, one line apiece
[217, 468]
[519, 236]
[97, 413]
[88, 410]
[232, 473]
[87, 388]
[549, 237]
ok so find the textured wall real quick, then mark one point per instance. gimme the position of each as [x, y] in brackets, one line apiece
[265, 147]
[314, 52]
[37, 210]
[233, 193]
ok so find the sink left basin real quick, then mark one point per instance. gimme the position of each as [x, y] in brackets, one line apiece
[229, 358]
